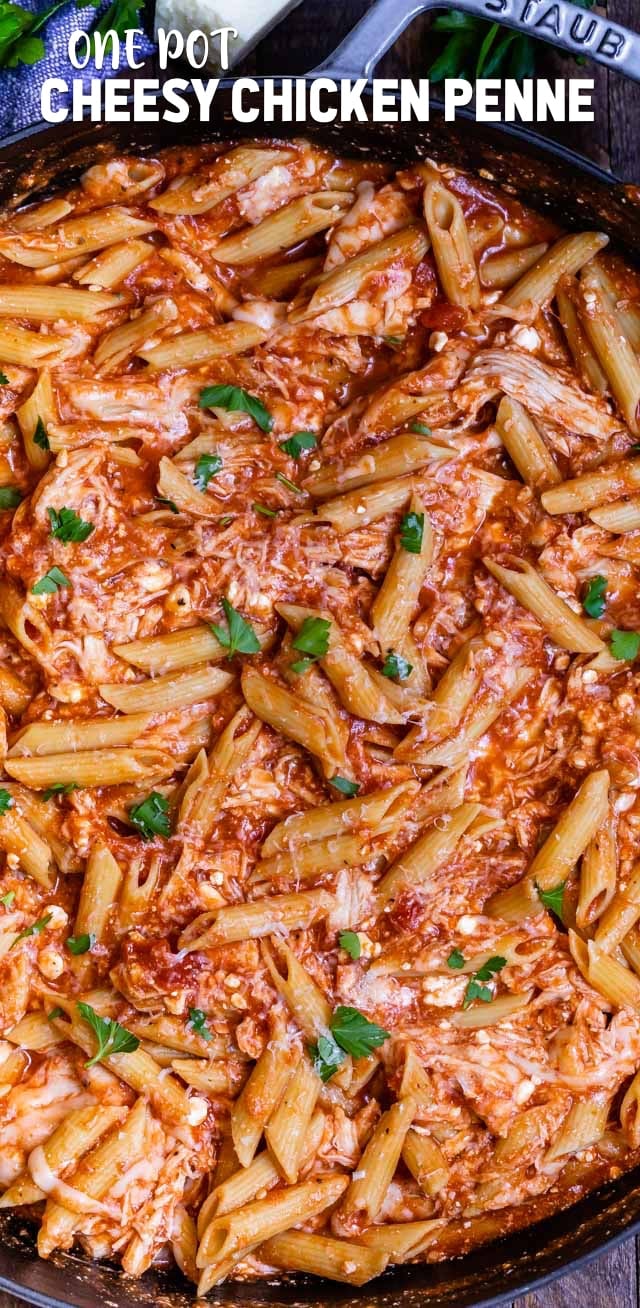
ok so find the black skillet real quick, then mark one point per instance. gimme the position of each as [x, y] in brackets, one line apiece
[576, 193]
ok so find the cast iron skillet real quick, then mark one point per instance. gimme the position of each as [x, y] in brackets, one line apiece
[550, 178]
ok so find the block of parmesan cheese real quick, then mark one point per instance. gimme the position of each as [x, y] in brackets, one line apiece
[252, 20]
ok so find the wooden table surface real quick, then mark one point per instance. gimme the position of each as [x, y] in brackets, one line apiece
[613, 141]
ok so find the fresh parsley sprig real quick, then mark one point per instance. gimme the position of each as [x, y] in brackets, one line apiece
[553, 899]
[236, 400]
[301, 440]
[412, 532]
[476, 989]
[51, 582]
[34, 930]
[477, 48]
[20, 42]
[198, 1023]
[350, 1033]
[68, 526]
[239, 637]
[207, 466]
[151, 817]
[111, 1037]
[396, 667]
[350, 940]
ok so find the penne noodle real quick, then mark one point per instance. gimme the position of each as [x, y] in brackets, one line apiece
[502, 269]
[481, 1015]
[322, 1255]
[361, 507]
[110, 268]
[392, 458]
[620, 914]
[189, 349]
[572, 833]
[613, 350]
[203, 192]
[44, 738]
[593, 488]
[417, 866]
[581, 351]
[257, 1101]
[564, 626]
[47, 305]
[286, 712]
[565, 258]
[396, 603]
[98, 767]
[288, 1125]
[367, 1190]
[77, 236]
[99, 894]
[379, 811]
[584, 1125]
[620, 517]
[261, 917]
[155, 695]
[349, 279]
[598, 875]
[452, 248]
[283, 229]
[525, 446]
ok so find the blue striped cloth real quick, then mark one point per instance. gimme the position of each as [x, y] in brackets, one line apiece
[20, 87]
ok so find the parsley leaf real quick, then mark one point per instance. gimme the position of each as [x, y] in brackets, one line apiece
[40, 436]
[236, 400]
[301, 440]
[8, 899]
[552, 899]
[4, 380]
[80, 944]
[168, 504]
[350, 941]
[19, 43]
[344, 785]
[396, 667]
[151, 817]
[67, 526]
[290, 485]
[33, 930]
[475, 990]
[326, 1056]
[313, 637]
[594, 597]
[6, 800]
[10, 497]
[266, 512]
[355, 1033]
[197, 1022]
[455, 960]
[50, 583]
[625, 644]
[55, 1012]
[111, 1037]
[420, 429]
[351, 1033]
[206, 467]
[411, 532]
[240, 638]
[59, 788]
[477, 48]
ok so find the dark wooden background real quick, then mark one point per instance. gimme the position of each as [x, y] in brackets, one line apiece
[613, 141]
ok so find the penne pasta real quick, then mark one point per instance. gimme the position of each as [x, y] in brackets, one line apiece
[564, 626]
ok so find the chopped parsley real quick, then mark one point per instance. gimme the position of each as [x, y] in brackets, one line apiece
[455, 960]
[264, 510]
[151, 817]
[411, 532]
[394, 342]
[301, 440]
[350, 1033]
[206, 467]
[236, 400]
[33, 930]
[350, 941]
[345, 786]
[312, 640]
[50, 583]
[475, 987]
[396, 667]
[420, 429]
[168, 504]
[55, 1012]
[239, 638]
[10, 497]
[197, 1022]
[625, 644]
[552, 899]
[290, 485]
[8, 899]
[4, 380]
[6, 800]
[67, 526]
[594, 601]
[111, 1037]
[59, 788]
[80, 944]
[40, 436]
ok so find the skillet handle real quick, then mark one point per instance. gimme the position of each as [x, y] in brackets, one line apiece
[564, 25]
